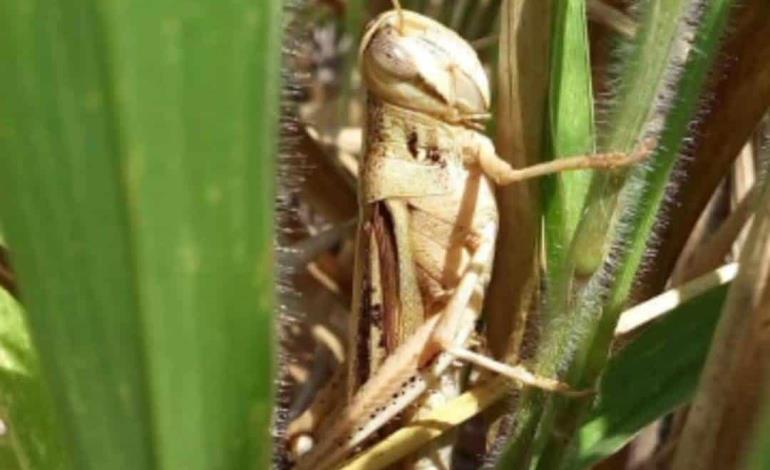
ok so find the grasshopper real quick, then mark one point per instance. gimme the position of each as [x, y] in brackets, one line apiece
[426, 235]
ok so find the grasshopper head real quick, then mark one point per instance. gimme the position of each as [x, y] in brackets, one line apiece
[415, 62]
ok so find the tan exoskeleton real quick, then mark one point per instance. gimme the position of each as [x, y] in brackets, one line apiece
[426, 236]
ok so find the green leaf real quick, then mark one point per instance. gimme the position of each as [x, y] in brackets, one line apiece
[570, 126]
[569, 131]
[651, 376]
[136, 158]
[642, 196]
[576, 346]
[649, 66]
[31, 438]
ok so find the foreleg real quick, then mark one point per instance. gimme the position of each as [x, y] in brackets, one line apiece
[482, 152]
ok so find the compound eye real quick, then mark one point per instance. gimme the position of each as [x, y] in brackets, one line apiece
[468, 94]
[388, 55]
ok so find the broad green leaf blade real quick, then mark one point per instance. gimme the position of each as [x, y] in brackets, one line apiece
[655, 373]
[31, 437]
[67, 225]
[136, 159]
[570, 126]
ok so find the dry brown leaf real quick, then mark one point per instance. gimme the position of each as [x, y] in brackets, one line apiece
[521, 104]
[726, 403]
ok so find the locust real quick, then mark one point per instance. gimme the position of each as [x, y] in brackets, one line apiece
[425, 239]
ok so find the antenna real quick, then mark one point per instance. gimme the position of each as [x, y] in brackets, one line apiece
[400, 11]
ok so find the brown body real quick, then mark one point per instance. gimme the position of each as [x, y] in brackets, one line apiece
[421, 212]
